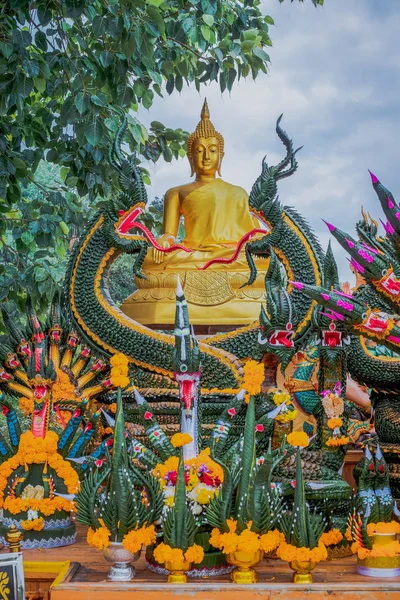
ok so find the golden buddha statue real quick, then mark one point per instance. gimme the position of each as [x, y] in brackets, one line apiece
[216, 217]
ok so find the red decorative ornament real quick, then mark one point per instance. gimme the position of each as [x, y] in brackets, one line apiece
[259, 427]
[231, 412]
[148, 415]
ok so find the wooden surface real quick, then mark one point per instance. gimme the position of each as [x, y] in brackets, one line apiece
[336, 579]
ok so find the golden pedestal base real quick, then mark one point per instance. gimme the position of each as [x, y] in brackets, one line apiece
[177, 571]
[244, 561]
[302, 571]
[214, 297]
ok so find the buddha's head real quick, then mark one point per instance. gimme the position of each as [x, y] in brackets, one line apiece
[205, 147]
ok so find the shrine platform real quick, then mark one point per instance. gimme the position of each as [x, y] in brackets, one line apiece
[85, 579]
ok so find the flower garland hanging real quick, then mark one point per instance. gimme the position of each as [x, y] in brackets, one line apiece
[119, 370]
[63, 388]
[33, 524]
[334, 406]
[253, 377]
[288, 412]
[33, 450]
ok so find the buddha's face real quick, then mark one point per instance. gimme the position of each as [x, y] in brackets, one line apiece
[205, 156]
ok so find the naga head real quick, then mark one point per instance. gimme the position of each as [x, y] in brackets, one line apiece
[276, 320]
[186, 356]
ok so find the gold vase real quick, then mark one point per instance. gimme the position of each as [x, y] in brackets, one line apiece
[302, 571]
[177, 571]
[380, 566]
[244, 561]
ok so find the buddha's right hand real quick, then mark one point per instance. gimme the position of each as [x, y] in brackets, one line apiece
[165, 241]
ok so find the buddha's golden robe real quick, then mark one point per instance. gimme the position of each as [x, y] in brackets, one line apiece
[216, 217]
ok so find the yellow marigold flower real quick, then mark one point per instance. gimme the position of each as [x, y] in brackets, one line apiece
[119, 370]
[280, 396]
[271, 540]
[113, 407]
[331, 538]
[229, 542]
[135, 539]
[33, 525]
[288, 416]
[194, 554]
[181, 439]
[232, 524]
[169, 501]
[253, 377]
[334, 422]
[298, 438]
[26, 405]
[248, 541]
[99, 538]
[164, 553]
[215, 538]
[204, 496]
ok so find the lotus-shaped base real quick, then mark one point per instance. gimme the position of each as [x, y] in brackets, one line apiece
[177, 571]
[244, 561]
[121, 569]
[302, 571]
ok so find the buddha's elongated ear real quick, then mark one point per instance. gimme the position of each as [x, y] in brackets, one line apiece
[220, 164]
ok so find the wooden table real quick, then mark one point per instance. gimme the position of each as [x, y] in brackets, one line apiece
[87, 581]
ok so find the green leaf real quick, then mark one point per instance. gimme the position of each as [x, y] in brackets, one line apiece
[106, 59]
[155, 3]
[155, 14]
[40, 84]
[21, 38]
[269, 20]
[64, 227]
[257, 51]
[208, 20]
[81, 102]
[206, 32]
[99, 100]
[94, 131]
[25, 87]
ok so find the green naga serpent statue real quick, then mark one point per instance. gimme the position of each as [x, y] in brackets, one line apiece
[373, 313]
[116, 228]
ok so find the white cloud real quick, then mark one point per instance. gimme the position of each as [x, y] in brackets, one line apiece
[335, 76]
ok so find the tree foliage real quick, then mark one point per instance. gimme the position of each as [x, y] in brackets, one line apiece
[68, 70]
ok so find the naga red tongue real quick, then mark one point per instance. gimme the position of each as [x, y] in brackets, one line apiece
[129, 222]
[186, 393]
[393, 285]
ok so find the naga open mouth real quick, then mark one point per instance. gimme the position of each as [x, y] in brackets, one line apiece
[280, 337]
[332, 338]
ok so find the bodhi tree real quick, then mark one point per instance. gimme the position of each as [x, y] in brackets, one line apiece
[68, 70]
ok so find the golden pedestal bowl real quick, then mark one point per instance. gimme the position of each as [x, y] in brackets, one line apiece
[244, 561]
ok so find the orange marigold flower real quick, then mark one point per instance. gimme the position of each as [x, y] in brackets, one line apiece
[194, 554]
[253, 377]
[181, 439]
[337, 441]
[99, 538]
[26, 405]
[334, 422]
[332, 537]
[298, 438]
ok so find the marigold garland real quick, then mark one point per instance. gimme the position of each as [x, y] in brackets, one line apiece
[381, 527]
[98, 538]
[280, 396]
[164, 553]
[253, 377]
[33, 450]
[378, 551]
[334, 422]
[247, 540]
[298, 438]
[136, 538]
[33, 525]
[337, 441]
[63, 388]
[331, 538]
[119, 370]
[26, 405]
[289, 553]
[181, 439]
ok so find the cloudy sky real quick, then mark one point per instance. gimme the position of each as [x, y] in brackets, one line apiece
[335, 75]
